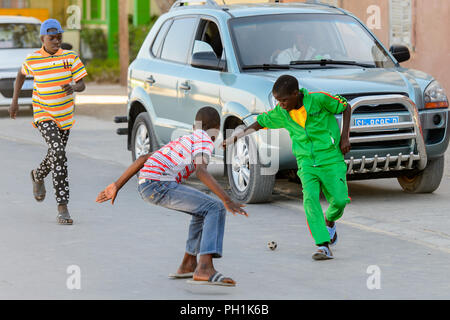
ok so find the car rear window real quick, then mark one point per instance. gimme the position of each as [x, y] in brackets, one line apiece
[160, 37]
[178, 40]
[19, 35]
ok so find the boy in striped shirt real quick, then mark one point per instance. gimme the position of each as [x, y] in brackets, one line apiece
[161, 174]
[54, 70]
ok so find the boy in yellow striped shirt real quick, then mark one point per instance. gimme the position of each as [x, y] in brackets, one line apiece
[57, 75]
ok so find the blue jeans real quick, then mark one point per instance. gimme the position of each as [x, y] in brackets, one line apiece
[207, 225]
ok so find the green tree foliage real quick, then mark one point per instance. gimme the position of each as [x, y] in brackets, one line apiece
[101, 69]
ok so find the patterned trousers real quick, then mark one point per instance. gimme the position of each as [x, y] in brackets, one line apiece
[55, 160]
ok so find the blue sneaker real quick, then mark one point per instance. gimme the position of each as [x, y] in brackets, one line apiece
[322, 253]
[333, 235]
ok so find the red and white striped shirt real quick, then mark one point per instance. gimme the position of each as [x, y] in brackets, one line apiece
[175, 160]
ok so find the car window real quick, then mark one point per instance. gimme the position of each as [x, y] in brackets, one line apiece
[289, 38]
[19, 35]
[367, 48]
[160, 37]
[178, 40]
[202, 46]
[208, 38]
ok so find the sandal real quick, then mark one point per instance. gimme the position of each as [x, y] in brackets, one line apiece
[38, 188]
[333, 235]
[217, 279]
[181, 275]
[64, 218]
[322, 253]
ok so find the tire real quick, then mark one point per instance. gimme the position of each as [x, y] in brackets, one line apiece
[425, 181]
[247, 183]
[143, 138]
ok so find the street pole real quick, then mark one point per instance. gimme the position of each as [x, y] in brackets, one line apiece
[124, 58]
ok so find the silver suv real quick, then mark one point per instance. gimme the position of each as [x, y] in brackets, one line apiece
[229, 56]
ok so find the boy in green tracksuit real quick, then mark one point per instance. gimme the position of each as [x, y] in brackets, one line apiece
[319, 149]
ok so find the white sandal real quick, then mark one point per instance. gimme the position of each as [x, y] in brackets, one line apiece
[322, 253]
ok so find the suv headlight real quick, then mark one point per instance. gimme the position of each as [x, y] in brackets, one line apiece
[435, 96]
[272, 102]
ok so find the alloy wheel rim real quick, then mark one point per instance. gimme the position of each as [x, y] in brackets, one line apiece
[142, 141]
[240, 165]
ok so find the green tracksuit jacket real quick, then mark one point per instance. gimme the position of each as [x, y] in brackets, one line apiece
[321, 164]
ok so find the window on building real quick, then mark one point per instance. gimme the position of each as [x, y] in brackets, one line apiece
[400, 22]
[93, 9]
[178, 40]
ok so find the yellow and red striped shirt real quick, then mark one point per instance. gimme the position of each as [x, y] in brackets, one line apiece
[50, 72]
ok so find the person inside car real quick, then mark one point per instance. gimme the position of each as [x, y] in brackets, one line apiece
[301, 50]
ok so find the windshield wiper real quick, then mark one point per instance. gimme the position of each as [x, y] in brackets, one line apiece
[266, 66]
[324, 62]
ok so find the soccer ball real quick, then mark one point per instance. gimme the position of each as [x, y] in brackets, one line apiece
[272, 245]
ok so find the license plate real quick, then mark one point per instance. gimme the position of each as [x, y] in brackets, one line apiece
[27, 85]
[376, 121]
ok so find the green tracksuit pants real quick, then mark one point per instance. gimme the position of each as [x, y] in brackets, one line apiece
[331, 180]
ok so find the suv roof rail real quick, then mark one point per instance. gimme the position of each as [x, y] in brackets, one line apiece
[209, 3]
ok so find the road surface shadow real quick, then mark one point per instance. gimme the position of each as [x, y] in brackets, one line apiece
[24, 112]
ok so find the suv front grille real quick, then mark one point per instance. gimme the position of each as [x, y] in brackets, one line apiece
[395, 107]
[351, 96]
[389, 136]
[380, 144]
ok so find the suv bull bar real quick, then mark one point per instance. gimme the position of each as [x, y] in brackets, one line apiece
[388, 162]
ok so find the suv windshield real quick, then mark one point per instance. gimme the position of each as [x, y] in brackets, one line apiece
[19, 35]
[305, 40]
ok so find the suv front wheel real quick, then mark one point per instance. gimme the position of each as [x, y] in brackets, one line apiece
[247, 182]
[425, 181]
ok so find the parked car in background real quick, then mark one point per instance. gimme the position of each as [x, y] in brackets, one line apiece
[229, 56]
[19, 36]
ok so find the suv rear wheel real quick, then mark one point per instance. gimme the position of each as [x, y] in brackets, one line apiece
[247, 183]
[143, 138]
[425, 181]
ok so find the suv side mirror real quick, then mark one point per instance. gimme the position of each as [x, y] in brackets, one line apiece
[207, 60]
[400, 52]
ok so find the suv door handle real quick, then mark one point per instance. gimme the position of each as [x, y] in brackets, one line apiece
[185, 86]
[150, 80]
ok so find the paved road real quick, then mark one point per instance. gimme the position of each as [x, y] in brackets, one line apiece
[125, 251]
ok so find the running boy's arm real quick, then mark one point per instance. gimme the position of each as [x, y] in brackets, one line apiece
[337, 104]
[111, 191]
[272, 119]
[14, 108]
[77, 87]
[209, 181]
[345, 135]
[239, 134]
[78, 73]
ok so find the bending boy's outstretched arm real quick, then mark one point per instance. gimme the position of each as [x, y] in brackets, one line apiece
[209, 181]
[110, 192]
